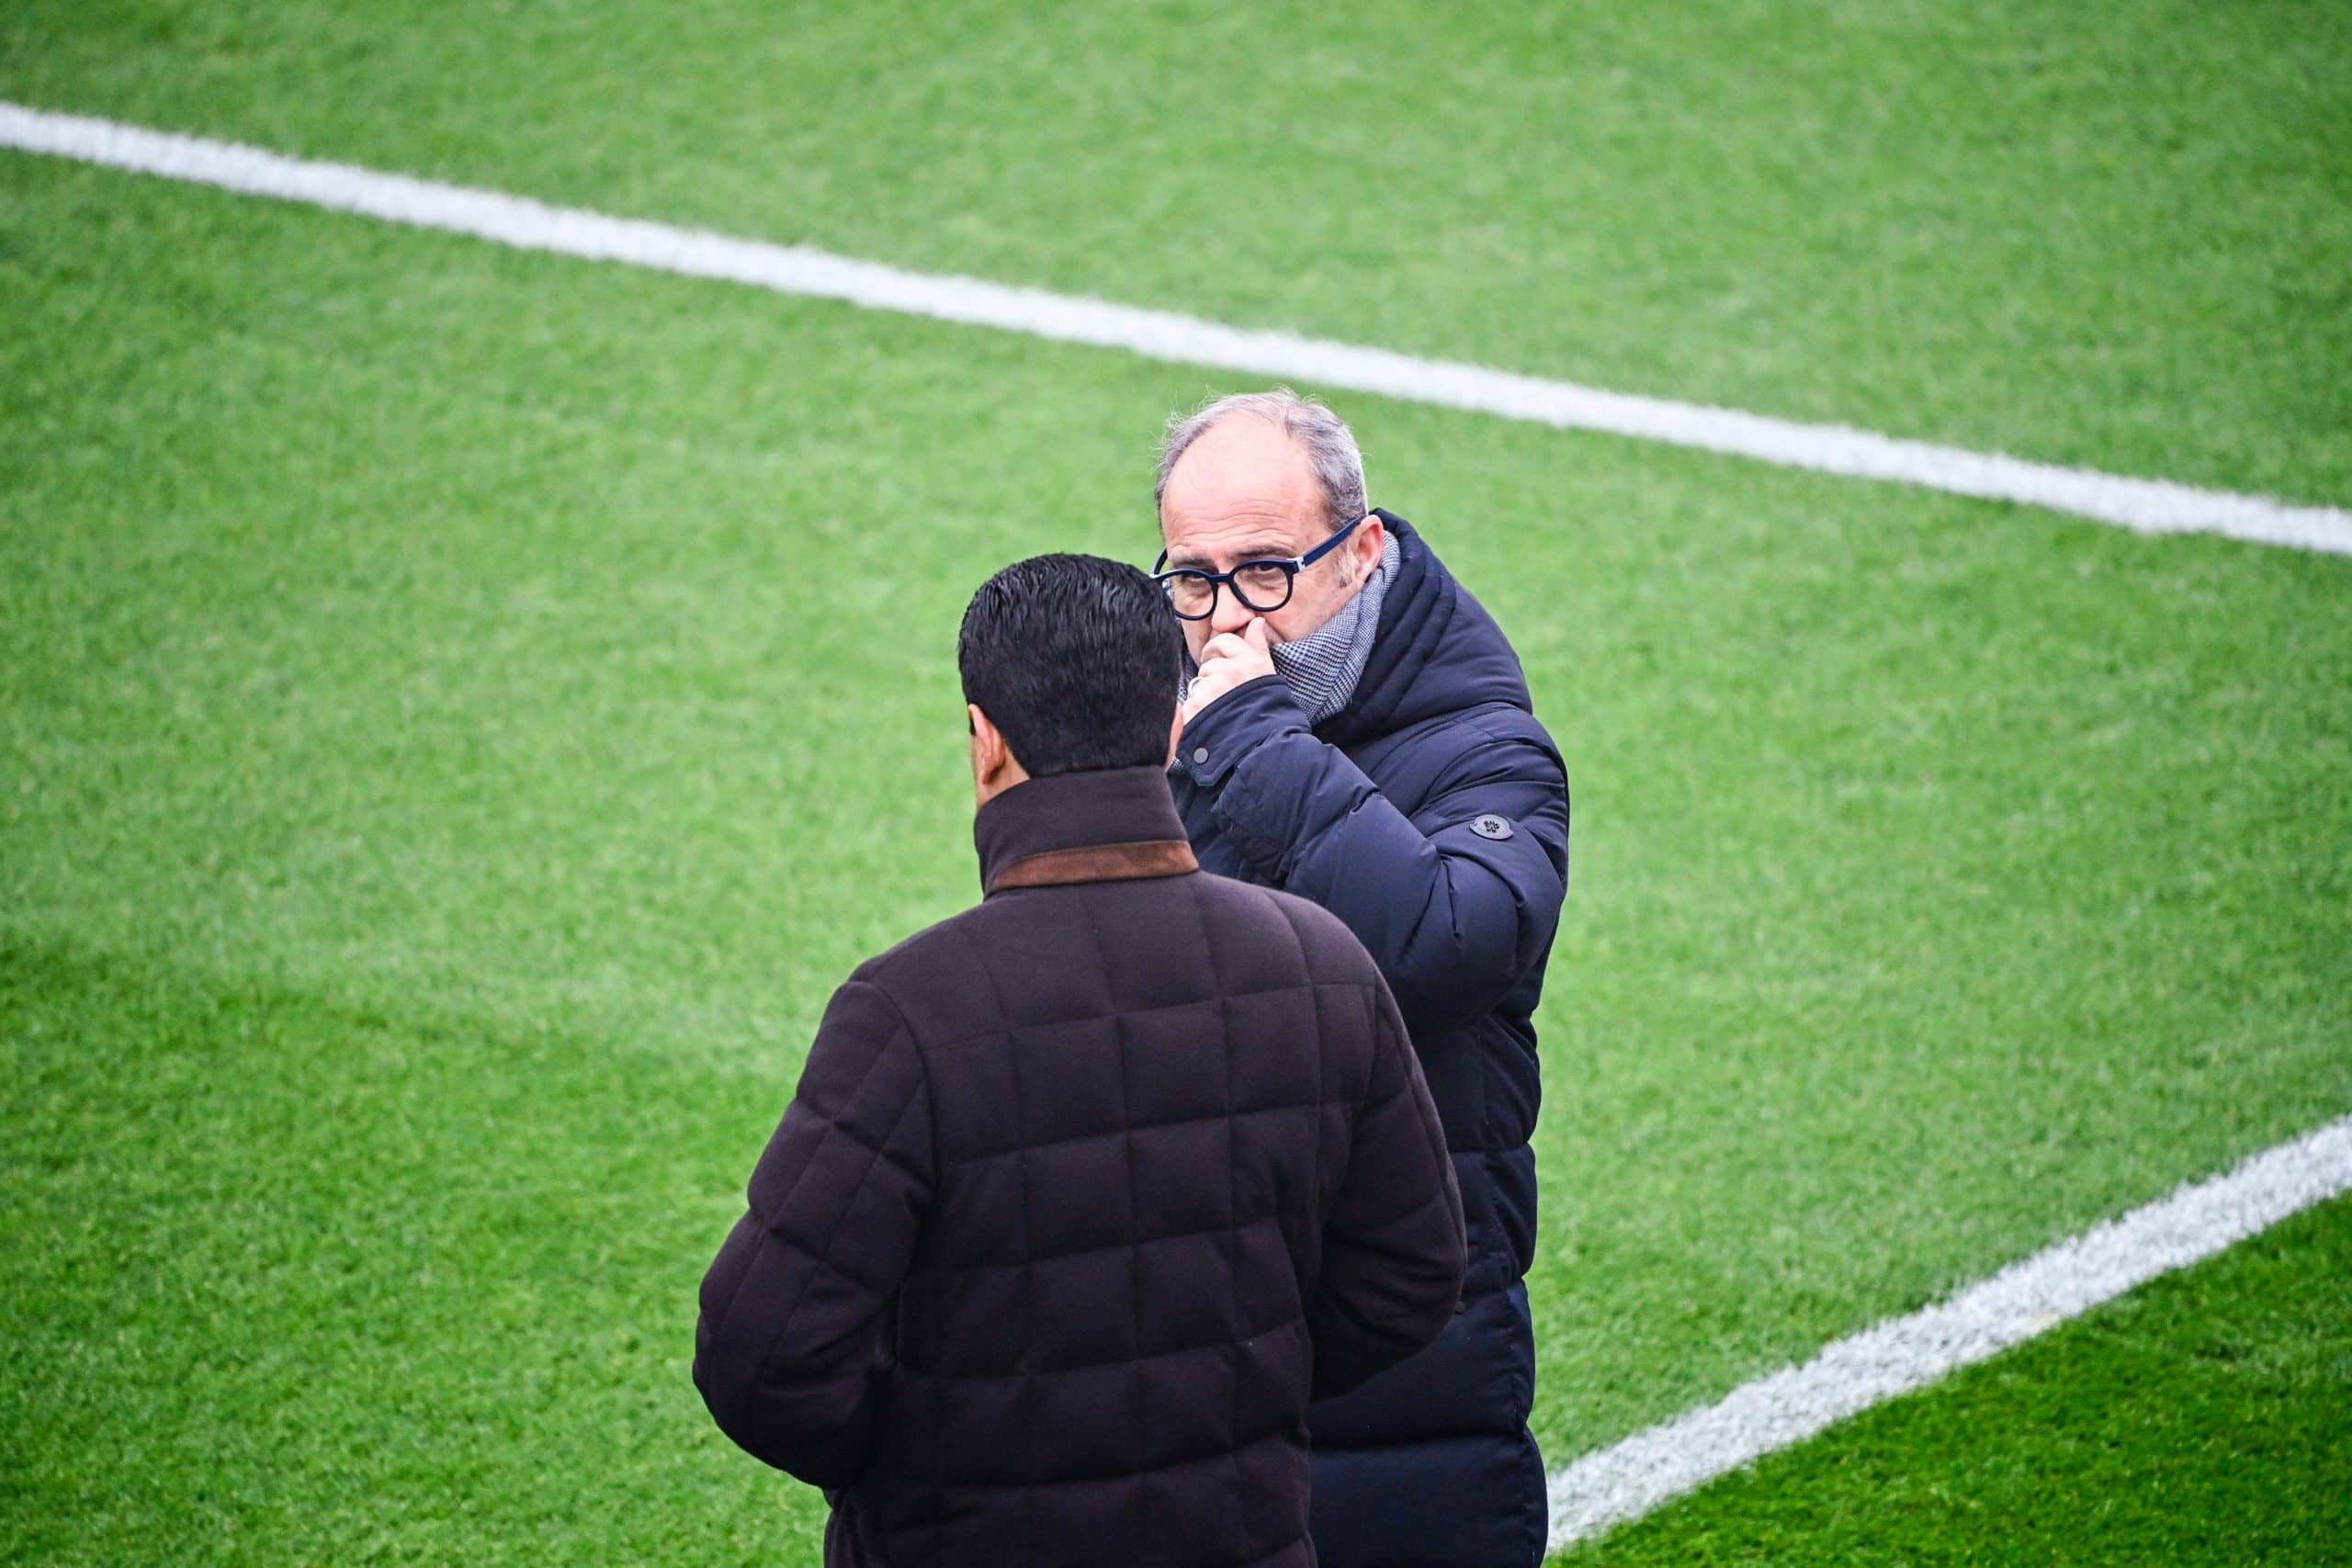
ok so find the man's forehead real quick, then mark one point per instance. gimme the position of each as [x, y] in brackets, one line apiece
[1242, 485]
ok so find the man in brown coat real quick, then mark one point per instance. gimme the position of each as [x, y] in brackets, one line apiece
[1088, 1190]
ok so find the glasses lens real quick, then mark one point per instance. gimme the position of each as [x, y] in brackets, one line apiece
[1190, 592]
[1263, 585]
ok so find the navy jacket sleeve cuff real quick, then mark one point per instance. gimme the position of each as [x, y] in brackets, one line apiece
[1237, 723]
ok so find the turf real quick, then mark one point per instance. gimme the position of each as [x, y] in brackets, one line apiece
[461, 711]
[2106, 234]
[2206, 1419]
[296, 1282]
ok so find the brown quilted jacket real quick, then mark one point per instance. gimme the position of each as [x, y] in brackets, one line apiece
[1084, 1194]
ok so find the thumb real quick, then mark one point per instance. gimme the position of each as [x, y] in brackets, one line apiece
[1257, 637]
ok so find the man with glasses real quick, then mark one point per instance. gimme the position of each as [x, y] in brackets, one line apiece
[1357, 731]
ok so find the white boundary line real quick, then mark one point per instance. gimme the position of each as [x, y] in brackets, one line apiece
[1651, 1467]
[2154, 506]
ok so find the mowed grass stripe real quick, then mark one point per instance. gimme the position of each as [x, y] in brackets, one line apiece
[2153, 506]
[294, 1281]
[2101, 237]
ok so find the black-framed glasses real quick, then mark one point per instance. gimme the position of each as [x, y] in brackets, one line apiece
[1260, 585]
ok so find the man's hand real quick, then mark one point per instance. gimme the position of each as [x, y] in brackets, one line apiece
[1228, 660]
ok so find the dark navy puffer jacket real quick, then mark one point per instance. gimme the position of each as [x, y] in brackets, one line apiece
[1431, 816]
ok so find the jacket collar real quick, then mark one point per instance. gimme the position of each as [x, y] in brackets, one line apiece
[1437, 651]
[1089, 826]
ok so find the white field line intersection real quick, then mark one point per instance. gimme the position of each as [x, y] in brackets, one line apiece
[1630, 1478]
[2154, 506]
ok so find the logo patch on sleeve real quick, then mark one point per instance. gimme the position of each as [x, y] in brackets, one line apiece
[1490, 827]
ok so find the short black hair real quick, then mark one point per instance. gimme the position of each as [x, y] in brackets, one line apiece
[1077, 660]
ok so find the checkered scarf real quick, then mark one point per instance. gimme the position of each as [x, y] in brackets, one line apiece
[1323, 667]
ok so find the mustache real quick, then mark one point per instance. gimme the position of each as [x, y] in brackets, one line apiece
[1278, 647]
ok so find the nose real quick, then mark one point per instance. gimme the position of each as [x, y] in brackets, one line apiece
[1231, 615]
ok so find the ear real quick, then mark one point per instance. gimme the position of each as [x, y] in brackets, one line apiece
[990, 753]
[1175, 729]
[1364, 546]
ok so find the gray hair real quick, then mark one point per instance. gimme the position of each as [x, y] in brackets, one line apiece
[1323, 435]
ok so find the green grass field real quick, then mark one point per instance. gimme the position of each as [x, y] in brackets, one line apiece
[2202, 1420]
[461, 711]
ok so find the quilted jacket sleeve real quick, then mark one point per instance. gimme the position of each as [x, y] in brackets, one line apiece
[1393, 1245]
[1454, 917]
[791, 1341]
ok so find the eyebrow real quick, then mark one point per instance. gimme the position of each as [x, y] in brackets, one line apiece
[1255, 550]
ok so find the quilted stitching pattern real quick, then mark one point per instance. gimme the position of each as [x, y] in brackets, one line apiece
[1083, 1194]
